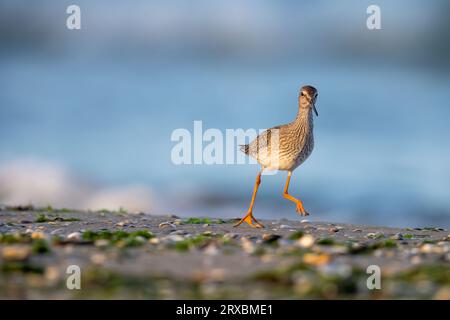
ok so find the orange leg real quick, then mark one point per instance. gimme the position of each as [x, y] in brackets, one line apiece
[249, 216]
[298, 202]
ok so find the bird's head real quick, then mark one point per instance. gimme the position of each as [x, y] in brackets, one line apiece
[307, 98]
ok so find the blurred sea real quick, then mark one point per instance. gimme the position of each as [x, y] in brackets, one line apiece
[90, 127]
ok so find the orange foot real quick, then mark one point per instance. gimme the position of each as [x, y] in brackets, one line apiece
[301, 210]
[250, 219]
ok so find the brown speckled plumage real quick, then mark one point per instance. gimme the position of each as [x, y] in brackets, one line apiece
[287, 146]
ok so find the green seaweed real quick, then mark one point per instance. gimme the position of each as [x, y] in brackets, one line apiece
[326, 241]
[296, 235]
[120, 237]
[40, 246]
[198, 221]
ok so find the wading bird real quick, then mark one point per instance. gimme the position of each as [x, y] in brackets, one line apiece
[284, 147]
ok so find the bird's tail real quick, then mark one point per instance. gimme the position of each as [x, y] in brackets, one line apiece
[244, 148]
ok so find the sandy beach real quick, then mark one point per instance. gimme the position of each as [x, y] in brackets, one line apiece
[144, 256]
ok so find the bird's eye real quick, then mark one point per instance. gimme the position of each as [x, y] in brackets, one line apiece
[302, 94]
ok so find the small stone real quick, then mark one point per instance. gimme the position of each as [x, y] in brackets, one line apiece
[179, 232]
[270, 238]
[52, 274]
[154, 241]
[74, 236]
[167, 224]
[175, 238]
[123, 223]
[205, 225]
[98, 258]
[426, 248]
[56, 231]
[374, 235]
[178, 222]
[307, 241]
[304, 221]
[230, 236]
[317, 259]
[334, 229]
[208, 233]
[38, 235]
[397, 236]
[25, 221]
[211, 250]
[101, 243]
[285, 226]
[247, 245]
[357, 230]
[15, 253]
[28, 231]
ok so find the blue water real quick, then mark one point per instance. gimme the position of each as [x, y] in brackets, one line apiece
[381, 155]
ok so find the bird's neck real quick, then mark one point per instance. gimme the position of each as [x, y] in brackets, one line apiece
[304, 118]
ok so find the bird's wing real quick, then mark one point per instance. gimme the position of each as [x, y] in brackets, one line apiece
[261, 143]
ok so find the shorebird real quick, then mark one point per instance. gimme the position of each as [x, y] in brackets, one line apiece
[284, 147]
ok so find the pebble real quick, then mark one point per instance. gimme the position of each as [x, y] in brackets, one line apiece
[178, 222]
[98, 258]
[211, 250]
[230, 236]
[15, 253]
[154, 240]
[304, 221]
[167, 224]
[101, 243]
[38, 235]
[374, 235]
[285, 226]
[335, 229]
[316, 259]
[247, 245]
[307, 241]
[52, 274]
[397, 236]
[179, 232]
[56, 231]
[426, 248]
[25, 221]
[123, 223]
[270, 238]
[175, 238]
[74, 236]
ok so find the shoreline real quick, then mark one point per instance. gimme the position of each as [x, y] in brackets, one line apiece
[127, 255]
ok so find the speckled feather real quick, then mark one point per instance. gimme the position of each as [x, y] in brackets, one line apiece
[295, 141]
